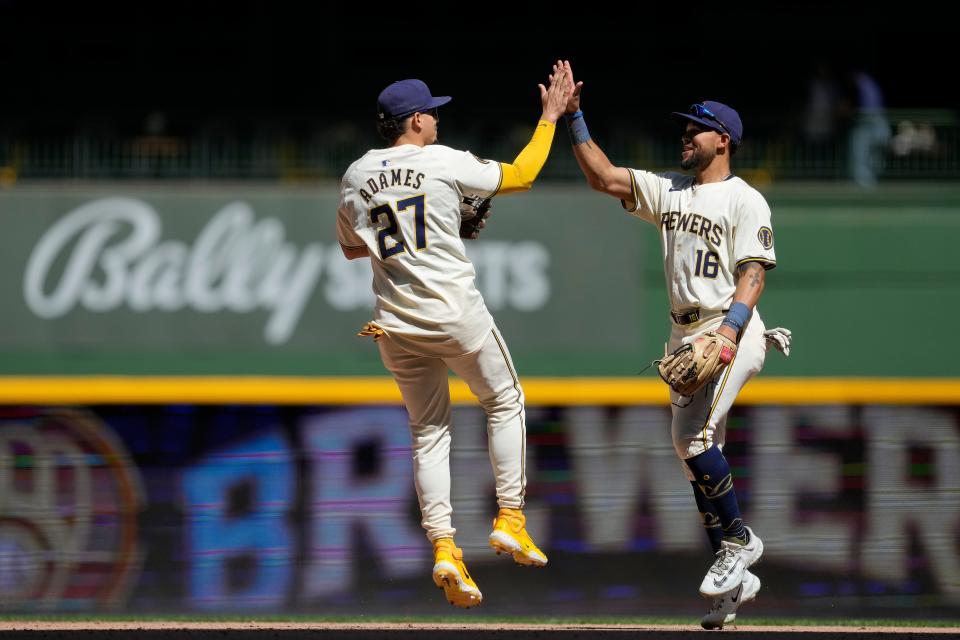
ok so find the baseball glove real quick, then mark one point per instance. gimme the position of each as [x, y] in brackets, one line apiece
[693, 365]
[474, 211]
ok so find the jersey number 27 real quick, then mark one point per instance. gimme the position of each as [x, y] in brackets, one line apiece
[392, 229]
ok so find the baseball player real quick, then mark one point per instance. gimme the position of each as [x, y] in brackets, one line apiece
[400, 206]
[717, 243]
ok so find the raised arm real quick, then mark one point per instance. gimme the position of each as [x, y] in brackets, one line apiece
[601, 174]
[520, 174]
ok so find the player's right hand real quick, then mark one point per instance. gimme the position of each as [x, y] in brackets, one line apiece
[573, 100]
[554, 97]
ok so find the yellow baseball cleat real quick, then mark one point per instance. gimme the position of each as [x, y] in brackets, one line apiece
[510, 536]
[451, 575]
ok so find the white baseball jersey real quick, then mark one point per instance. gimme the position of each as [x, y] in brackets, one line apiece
[706, 232]
[403, 205]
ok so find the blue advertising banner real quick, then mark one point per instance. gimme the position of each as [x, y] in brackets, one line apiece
[312, 509]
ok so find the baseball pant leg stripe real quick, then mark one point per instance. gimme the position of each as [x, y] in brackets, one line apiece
[523, 426]
[716, 399]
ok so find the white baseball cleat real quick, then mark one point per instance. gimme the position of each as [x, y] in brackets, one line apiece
[724, 608]
[731, 563]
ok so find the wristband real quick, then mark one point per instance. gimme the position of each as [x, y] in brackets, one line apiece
[737, 316]
[577, 127]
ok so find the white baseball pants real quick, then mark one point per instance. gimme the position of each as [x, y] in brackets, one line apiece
[424, 385]
[701, 421]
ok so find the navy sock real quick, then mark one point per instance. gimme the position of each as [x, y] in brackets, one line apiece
[715, 480]
[711, 520]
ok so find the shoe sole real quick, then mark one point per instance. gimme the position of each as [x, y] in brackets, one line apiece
[503, 543]
[457, 592]
[715, 625]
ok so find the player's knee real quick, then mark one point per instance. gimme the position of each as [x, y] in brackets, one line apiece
[429, 440]
[713, 476]
[506, 400]
[680, 446]
[690, 447]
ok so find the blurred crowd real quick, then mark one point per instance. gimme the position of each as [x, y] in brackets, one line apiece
[838, 126]
[846, 109]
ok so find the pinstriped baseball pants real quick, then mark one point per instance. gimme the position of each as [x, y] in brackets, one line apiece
[700, 422]
[424, 385]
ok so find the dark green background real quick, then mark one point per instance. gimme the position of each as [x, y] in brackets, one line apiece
[866, 281]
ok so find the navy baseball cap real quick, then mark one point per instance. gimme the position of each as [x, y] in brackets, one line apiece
[404, 97]
[713, 115]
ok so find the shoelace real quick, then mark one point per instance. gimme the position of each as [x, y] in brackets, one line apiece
[723, 562]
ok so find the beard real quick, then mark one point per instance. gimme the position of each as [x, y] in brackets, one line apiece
[697, 160]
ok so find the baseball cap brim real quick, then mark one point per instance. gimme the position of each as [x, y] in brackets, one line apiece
[435, 101]
[438, 101]
[681, 118]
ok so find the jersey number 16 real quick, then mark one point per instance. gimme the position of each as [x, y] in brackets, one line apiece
[392, 229]
[708, 264]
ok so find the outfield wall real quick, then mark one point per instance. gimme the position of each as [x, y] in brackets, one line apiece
[237, 280]
[280, 509]
[190, 425]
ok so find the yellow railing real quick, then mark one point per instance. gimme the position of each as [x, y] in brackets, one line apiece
[382, 390]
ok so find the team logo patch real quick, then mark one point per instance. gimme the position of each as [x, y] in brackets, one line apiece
[70, 529]
[765, 236]
[480, 160]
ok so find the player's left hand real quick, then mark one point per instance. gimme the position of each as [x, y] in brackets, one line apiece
[728, 332]
[474, 211]
[697, 363]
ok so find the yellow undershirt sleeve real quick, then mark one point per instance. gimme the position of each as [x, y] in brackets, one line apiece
[520, 175]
